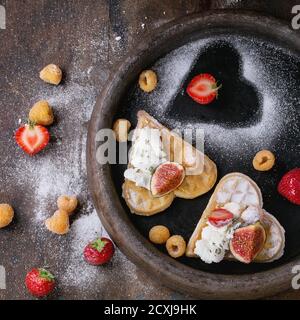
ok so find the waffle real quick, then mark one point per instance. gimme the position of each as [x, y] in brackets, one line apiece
[201, 172]
[275, 242]
[239, 188]
[140, 200]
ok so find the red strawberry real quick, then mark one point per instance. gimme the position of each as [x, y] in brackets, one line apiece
[203, 88]
[39, 282]
[99, 251]
[289, 186]
[32, 138]
[220, 217]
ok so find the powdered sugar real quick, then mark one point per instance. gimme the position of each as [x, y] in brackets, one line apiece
[274, 94]
[84, 230]
[77, 273]
[61, 168]
[171, 76]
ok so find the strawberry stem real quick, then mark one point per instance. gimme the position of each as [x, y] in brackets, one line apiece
[31, 124]
[219, 87]
[98, 245]
[216, 89]
[43, 273]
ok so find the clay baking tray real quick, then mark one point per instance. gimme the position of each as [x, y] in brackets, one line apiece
[257, 60]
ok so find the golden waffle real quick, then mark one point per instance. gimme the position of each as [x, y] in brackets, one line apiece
[140, 200]
[274, 244]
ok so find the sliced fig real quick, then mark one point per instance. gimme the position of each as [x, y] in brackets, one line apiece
[247, 242]
[166, 178]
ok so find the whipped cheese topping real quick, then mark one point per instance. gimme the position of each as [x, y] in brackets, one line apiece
[214, 242]
[141, 178]
[235, 208]
[251, 215]
[238, 190]
[145, 155]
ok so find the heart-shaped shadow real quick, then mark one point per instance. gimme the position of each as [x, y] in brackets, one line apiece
[238, 103]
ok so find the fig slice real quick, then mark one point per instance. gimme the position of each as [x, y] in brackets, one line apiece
[247, 242]
[166, 178]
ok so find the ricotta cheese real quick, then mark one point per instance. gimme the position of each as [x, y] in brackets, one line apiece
[214, 242]
[251, 215]
[145, 155]
[235, 208]
[142, 178]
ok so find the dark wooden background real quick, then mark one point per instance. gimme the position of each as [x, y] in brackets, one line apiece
[80, 36]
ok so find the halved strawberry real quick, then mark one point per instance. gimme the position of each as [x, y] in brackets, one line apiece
[203, 88]
[220, 217]
[32, 138]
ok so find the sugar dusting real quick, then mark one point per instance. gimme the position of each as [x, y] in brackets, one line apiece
[61, 169]
[84, 230]
[171, 76]
[84, 277]
[174, 68]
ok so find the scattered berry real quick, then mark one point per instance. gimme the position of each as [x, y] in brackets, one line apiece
[176, 246]
[148, 80]
[40, 282]
[121, 128]
[32, 138]
[67, 203]
[51, 74]
[41, 113]
[99, 251]
[6, 215]
[159, 234]
[289, 186]
[203, 88]
[264, 160]
[59, 223]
